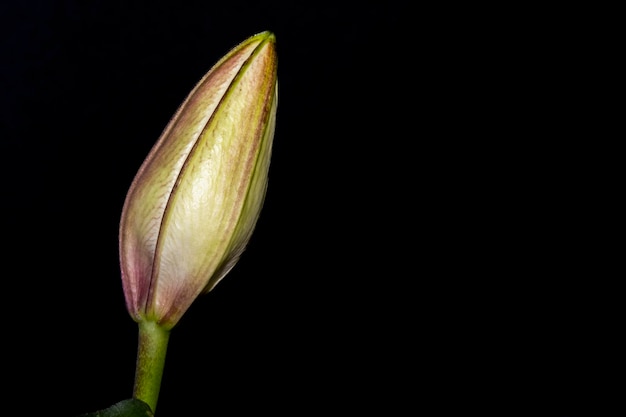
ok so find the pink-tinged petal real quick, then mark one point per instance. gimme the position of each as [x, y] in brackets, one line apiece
[193, 204]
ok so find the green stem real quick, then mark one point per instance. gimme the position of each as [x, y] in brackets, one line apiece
[151, 352]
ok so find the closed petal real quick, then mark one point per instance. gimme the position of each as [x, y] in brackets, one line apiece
[183, 213]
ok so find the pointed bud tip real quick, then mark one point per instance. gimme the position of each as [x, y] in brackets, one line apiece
[266, 36]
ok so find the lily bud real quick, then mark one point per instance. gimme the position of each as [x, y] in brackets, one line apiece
[192, 207]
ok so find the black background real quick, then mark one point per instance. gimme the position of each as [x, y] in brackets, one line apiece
[427, 238]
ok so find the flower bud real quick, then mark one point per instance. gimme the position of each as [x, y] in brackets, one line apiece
[193, 204]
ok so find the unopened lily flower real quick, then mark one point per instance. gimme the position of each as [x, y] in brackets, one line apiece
[193, 205]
